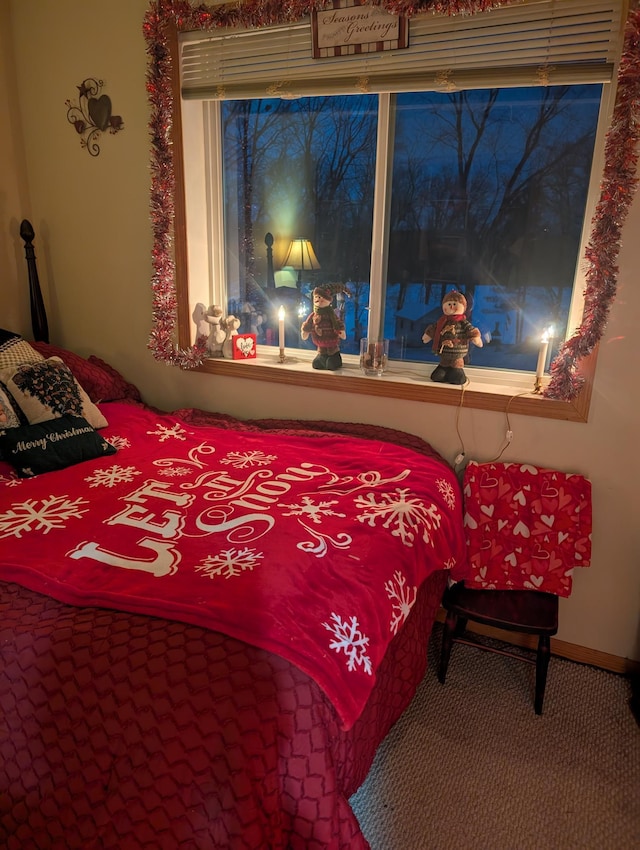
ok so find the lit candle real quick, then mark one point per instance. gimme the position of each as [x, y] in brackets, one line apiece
[281, 331]
[542, 355]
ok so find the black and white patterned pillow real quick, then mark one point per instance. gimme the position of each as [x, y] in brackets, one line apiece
[15, 350]
[47, 390]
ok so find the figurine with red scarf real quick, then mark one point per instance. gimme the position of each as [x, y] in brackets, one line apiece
[325, 327]
[451, 336]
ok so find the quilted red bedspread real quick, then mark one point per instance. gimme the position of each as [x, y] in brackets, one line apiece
[125, 730]
[311, 546]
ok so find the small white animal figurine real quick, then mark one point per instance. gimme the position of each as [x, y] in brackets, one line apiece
[230, 325]
[199, 317]
[217, 333]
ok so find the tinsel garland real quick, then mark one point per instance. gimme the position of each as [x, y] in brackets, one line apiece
[617, 188]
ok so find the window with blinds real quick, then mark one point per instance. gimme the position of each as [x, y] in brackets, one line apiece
[574, 40]
[469, 160]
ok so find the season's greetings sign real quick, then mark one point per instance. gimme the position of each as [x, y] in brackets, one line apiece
[353, 27]
[309, 546]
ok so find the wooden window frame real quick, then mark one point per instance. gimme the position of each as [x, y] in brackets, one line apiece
[517, 401]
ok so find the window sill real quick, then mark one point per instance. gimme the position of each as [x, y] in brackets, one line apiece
[411, 384]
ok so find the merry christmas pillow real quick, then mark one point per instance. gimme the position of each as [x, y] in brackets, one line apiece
[52, 445]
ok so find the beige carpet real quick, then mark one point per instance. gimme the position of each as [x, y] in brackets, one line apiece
[470, 766]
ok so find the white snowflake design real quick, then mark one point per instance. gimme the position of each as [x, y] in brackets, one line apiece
[311, 510]
[402, 598]
[113, 475]
[409, 514]
[10, 481]
[120, 442]
[242, 460]
[175, 471]
[165, 433]
[447, 491]
[349, 639]
[52, 512]
[230, 563]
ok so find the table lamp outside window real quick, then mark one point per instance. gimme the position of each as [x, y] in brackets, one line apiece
[301, 257]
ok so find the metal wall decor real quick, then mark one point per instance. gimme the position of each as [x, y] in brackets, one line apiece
[92, 115]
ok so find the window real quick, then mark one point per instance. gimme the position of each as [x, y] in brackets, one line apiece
[487, 195]
[466, 161]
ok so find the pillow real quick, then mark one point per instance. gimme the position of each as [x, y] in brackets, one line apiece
[56, 444]
[48, 390]
[14, 350]
[10, 414]
[121, 387]
[100, 381]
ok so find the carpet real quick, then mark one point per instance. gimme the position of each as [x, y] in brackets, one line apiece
[470, 765]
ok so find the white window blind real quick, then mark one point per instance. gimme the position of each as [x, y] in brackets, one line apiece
[550, 41]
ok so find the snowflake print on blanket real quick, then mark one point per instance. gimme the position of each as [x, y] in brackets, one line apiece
[230, 563]
[113, 475]
[312, 510]
[349, 639]
[242, 460]
[165, 432]
[402, 598]
[447, 491]
[409, 515]
[119, 442]
[175, 471]
[52, 512]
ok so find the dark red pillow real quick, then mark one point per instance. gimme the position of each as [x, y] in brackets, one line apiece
[121, 386]
[100, 381]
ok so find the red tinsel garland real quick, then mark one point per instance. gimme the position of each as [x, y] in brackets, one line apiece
[617, 188]
[618, 184]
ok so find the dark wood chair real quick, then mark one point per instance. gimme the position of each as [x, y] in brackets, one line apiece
[525, 611]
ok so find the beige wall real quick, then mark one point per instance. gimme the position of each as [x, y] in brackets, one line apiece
[93, 239]
[14, 198]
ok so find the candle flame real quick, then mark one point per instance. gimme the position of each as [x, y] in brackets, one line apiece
[281, 314]
[547, 334]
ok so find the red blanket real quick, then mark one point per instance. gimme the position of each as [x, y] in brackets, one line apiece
[309, 546]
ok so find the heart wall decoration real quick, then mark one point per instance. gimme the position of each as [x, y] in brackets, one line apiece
[92, 115]
[244, 346]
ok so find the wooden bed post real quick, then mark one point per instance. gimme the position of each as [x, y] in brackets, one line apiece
[39, 323]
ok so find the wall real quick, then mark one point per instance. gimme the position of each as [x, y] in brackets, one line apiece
[94, 239]
[14, 199]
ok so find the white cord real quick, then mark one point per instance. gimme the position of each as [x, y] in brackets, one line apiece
[459, 458]
[508, 437]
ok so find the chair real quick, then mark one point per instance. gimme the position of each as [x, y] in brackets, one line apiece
[526, 611]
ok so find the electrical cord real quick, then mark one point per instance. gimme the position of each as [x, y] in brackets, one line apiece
[459, 458]
[508, 437]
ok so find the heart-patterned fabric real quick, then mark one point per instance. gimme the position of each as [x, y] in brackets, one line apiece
[526, 527]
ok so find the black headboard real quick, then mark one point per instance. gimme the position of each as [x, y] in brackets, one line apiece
[39, 323]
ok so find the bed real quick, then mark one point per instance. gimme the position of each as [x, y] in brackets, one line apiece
[207, 626]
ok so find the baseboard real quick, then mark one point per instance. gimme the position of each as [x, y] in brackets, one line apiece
[561, 648]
